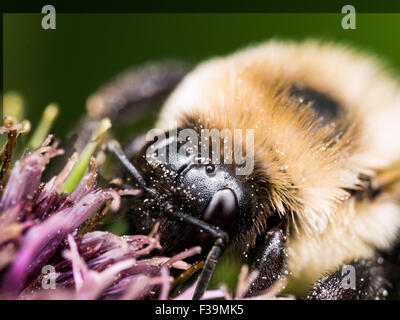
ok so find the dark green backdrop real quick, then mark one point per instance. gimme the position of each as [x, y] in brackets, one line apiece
[67, 64]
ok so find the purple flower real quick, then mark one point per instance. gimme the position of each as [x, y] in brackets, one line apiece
[35, 221]
[38, 228]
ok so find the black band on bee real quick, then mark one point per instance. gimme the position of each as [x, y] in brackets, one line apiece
[324, 105]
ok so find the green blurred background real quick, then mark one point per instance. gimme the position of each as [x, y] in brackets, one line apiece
[67, 64]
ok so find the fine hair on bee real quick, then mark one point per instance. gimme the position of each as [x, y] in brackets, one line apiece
[323, 192]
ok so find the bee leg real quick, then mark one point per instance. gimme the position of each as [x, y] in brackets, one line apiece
[209, 267]
[362, 279]
[270, 261]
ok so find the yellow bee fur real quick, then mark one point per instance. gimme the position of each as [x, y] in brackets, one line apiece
[312, 167]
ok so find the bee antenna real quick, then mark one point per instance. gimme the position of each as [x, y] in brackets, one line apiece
[114, 147]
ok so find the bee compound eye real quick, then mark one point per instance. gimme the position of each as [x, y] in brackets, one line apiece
[222, 209]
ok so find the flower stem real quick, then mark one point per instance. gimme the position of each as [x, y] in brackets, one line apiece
[83, 161]
[45, 124]
[6, 159]
[13, 106]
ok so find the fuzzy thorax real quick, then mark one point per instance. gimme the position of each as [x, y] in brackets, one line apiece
[305, 168]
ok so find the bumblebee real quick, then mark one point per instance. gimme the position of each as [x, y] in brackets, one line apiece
[323, 192]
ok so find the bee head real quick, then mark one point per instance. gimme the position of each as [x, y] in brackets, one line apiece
[176, 179]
